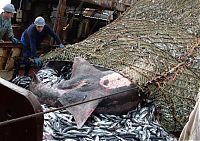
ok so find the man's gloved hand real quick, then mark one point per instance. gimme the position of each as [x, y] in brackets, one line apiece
[61, 46]
[14, 40]
[38, 62]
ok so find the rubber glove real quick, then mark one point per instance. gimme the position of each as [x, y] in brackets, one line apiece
[38, 62]
[61, 46]
[14, 40]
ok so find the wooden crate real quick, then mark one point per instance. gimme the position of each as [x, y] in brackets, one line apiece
[15, 52]
[4, 53]
[8, 52]
[7, 75]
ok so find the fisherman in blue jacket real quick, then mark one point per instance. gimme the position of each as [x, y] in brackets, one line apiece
[31, 39]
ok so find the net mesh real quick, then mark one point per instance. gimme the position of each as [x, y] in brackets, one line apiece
[153, 44]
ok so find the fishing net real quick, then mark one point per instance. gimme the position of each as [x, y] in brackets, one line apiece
[154, 45]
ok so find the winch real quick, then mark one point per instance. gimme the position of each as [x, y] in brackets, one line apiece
[16, 103]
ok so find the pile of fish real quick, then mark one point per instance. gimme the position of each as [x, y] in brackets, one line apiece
[53, 76]
[49, 76]
[137, 125]
[46, 75]
[22, 81]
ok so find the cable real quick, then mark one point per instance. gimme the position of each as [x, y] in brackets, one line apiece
[20, 5]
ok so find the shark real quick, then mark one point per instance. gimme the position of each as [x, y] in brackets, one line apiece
[113, 93]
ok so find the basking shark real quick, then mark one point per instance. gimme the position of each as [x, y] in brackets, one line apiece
[117, 94]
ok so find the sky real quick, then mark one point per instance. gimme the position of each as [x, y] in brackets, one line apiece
[3, 2]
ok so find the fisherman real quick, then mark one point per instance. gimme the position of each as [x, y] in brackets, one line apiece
[5, 23]
[31, 39]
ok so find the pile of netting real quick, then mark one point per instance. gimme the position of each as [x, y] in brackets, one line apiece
[154, 44]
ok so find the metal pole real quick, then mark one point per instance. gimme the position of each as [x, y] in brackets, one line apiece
[58, 24]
